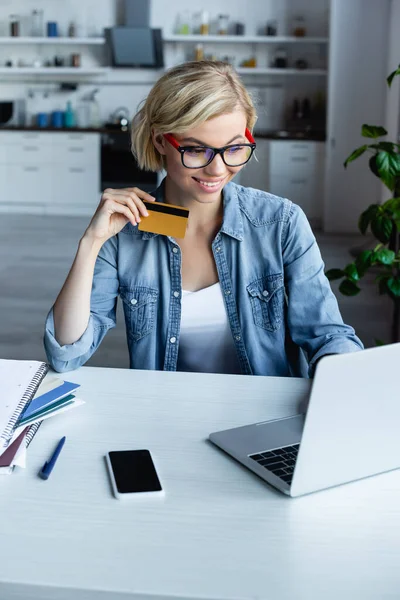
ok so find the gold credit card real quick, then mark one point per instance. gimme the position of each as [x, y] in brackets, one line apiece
[166, 219]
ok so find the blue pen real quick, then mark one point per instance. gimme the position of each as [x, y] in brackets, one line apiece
[48, 466]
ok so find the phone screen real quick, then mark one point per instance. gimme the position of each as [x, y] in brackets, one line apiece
[134, 471]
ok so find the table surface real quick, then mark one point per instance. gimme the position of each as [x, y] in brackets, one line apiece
[220, 532]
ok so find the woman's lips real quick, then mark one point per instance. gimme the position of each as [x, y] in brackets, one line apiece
[209, 186]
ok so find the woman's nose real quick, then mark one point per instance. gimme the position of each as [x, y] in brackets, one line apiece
[216, 166]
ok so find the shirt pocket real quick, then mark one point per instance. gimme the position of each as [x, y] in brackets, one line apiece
[140, 304]
[267, 299]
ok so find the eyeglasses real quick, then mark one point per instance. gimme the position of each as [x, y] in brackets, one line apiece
[197, 157]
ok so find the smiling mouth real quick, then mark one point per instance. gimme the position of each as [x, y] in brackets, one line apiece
[210, 184]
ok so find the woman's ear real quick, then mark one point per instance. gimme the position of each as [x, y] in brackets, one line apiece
[158, 141]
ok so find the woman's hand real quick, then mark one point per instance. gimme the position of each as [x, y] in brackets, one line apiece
[115, 210]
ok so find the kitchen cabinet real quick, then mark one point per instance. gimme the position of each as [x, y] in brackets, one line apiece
[290, 169]
[296, 171]
[49, 172]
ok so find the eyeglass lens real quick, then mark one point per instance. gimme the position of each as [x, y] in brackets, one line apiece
[199, 157]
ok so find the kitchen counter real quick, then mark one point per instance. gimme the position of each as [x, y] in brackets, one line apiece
[318, 136]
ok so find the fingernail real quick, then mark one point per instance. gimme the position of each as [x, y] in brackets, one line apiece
[138, 219]
[146, 214]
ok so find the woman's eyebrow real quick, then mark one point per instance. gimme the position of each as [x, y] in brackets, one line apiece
[190, 139]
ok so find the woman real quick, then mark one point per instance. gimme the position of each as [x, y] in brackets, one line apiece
[243, 292]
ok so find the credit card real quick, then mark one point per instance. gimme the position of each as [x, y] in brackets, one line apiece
[166, 219]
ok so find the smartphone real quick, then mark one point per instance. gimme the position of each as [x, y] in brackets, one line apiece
[132, 473]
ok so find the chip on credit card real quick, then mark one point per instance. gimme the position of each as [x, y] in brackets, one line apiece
[166, 219]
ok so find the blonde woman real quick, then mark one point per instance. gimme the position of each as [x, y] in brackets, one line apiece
[243, 292]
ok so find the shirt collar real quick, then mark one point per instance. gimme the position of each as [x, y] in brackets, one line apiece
[232, 222]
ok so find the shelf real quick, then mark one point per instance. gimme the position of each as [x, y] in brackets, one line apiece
[53, 71]
[272, 71]
[243, 39]
[67, 41]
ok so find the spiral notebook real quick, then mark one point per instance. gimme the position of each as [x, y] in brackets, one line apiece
[20, 380]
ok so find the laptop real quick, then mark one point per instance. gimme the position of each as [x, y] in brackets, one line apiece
[351, 428]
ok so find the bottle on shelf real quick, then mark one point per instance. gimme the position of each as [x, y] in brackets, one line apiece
[204, 22]
[199, 52]
[14, 25]
[37, 29]
[69, 116]
[94, 111]
[72, 30]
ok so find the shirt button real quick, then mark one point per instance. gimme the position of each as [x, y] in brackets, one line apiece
[133, 301]
[218, 249]
[237, 338]
[175, 250]
[265, 293]
[227, 292]
[176, 294]
[172, 340]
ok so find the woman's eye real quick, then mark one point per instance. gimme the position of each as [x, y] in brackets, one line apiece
[195, 151]
[234, 149]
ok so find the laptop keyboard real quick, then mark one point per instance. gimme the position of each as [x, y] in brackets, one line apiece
[280, 461]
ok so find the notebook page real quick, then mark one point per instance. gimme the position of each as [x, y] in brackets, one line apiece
[17, 379]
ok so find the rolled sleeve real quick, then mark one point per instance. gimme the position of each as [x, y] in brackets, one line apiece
[314, 319]
[70, 356]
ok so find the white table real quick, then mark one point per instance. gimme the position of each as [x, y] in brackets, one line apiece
[220, 532]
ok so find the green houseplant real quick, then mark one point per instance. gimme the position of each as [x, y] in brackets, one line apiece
[383, 220]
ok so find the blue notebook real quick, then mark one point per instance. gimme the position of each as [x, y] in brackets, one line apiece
[45, 400]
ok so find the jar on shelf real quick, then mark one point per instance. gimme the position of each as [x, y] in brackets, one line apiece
[223, 24]
[299, 26]
[182, 25]
[280, 60]
[272, 27]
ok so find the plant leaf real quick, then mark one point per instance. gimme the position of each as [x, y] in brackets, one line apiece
[349, 288]
[332, 274]
[372, 131]
[392, 76]
[394, 286]
[366, 217]
[372, 165]
[381, 227]
[364, 261]
[388, 146]
[385, 256]
[351, 272]
[388, 164]
[379, 342]
[358, 152]
[393, 205]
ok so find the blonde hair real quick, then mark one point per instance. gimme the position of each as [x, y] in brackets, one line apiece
[183, 98]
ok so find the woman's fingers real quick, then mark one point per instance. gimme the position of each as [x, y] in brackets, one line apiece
[134, 197]
[113, 205]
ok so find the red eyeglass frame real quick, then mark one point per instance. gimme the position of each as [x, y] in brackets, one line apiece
[170, 138]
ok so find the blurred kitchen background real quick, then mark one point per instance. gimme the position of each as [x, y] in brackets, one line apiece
[73, 73]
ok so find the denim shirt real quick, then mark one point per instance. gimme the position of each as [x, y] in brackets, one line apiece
[281, 310]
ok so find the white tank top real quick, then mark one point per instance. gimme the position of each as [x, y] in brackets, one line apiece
[205, 342]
